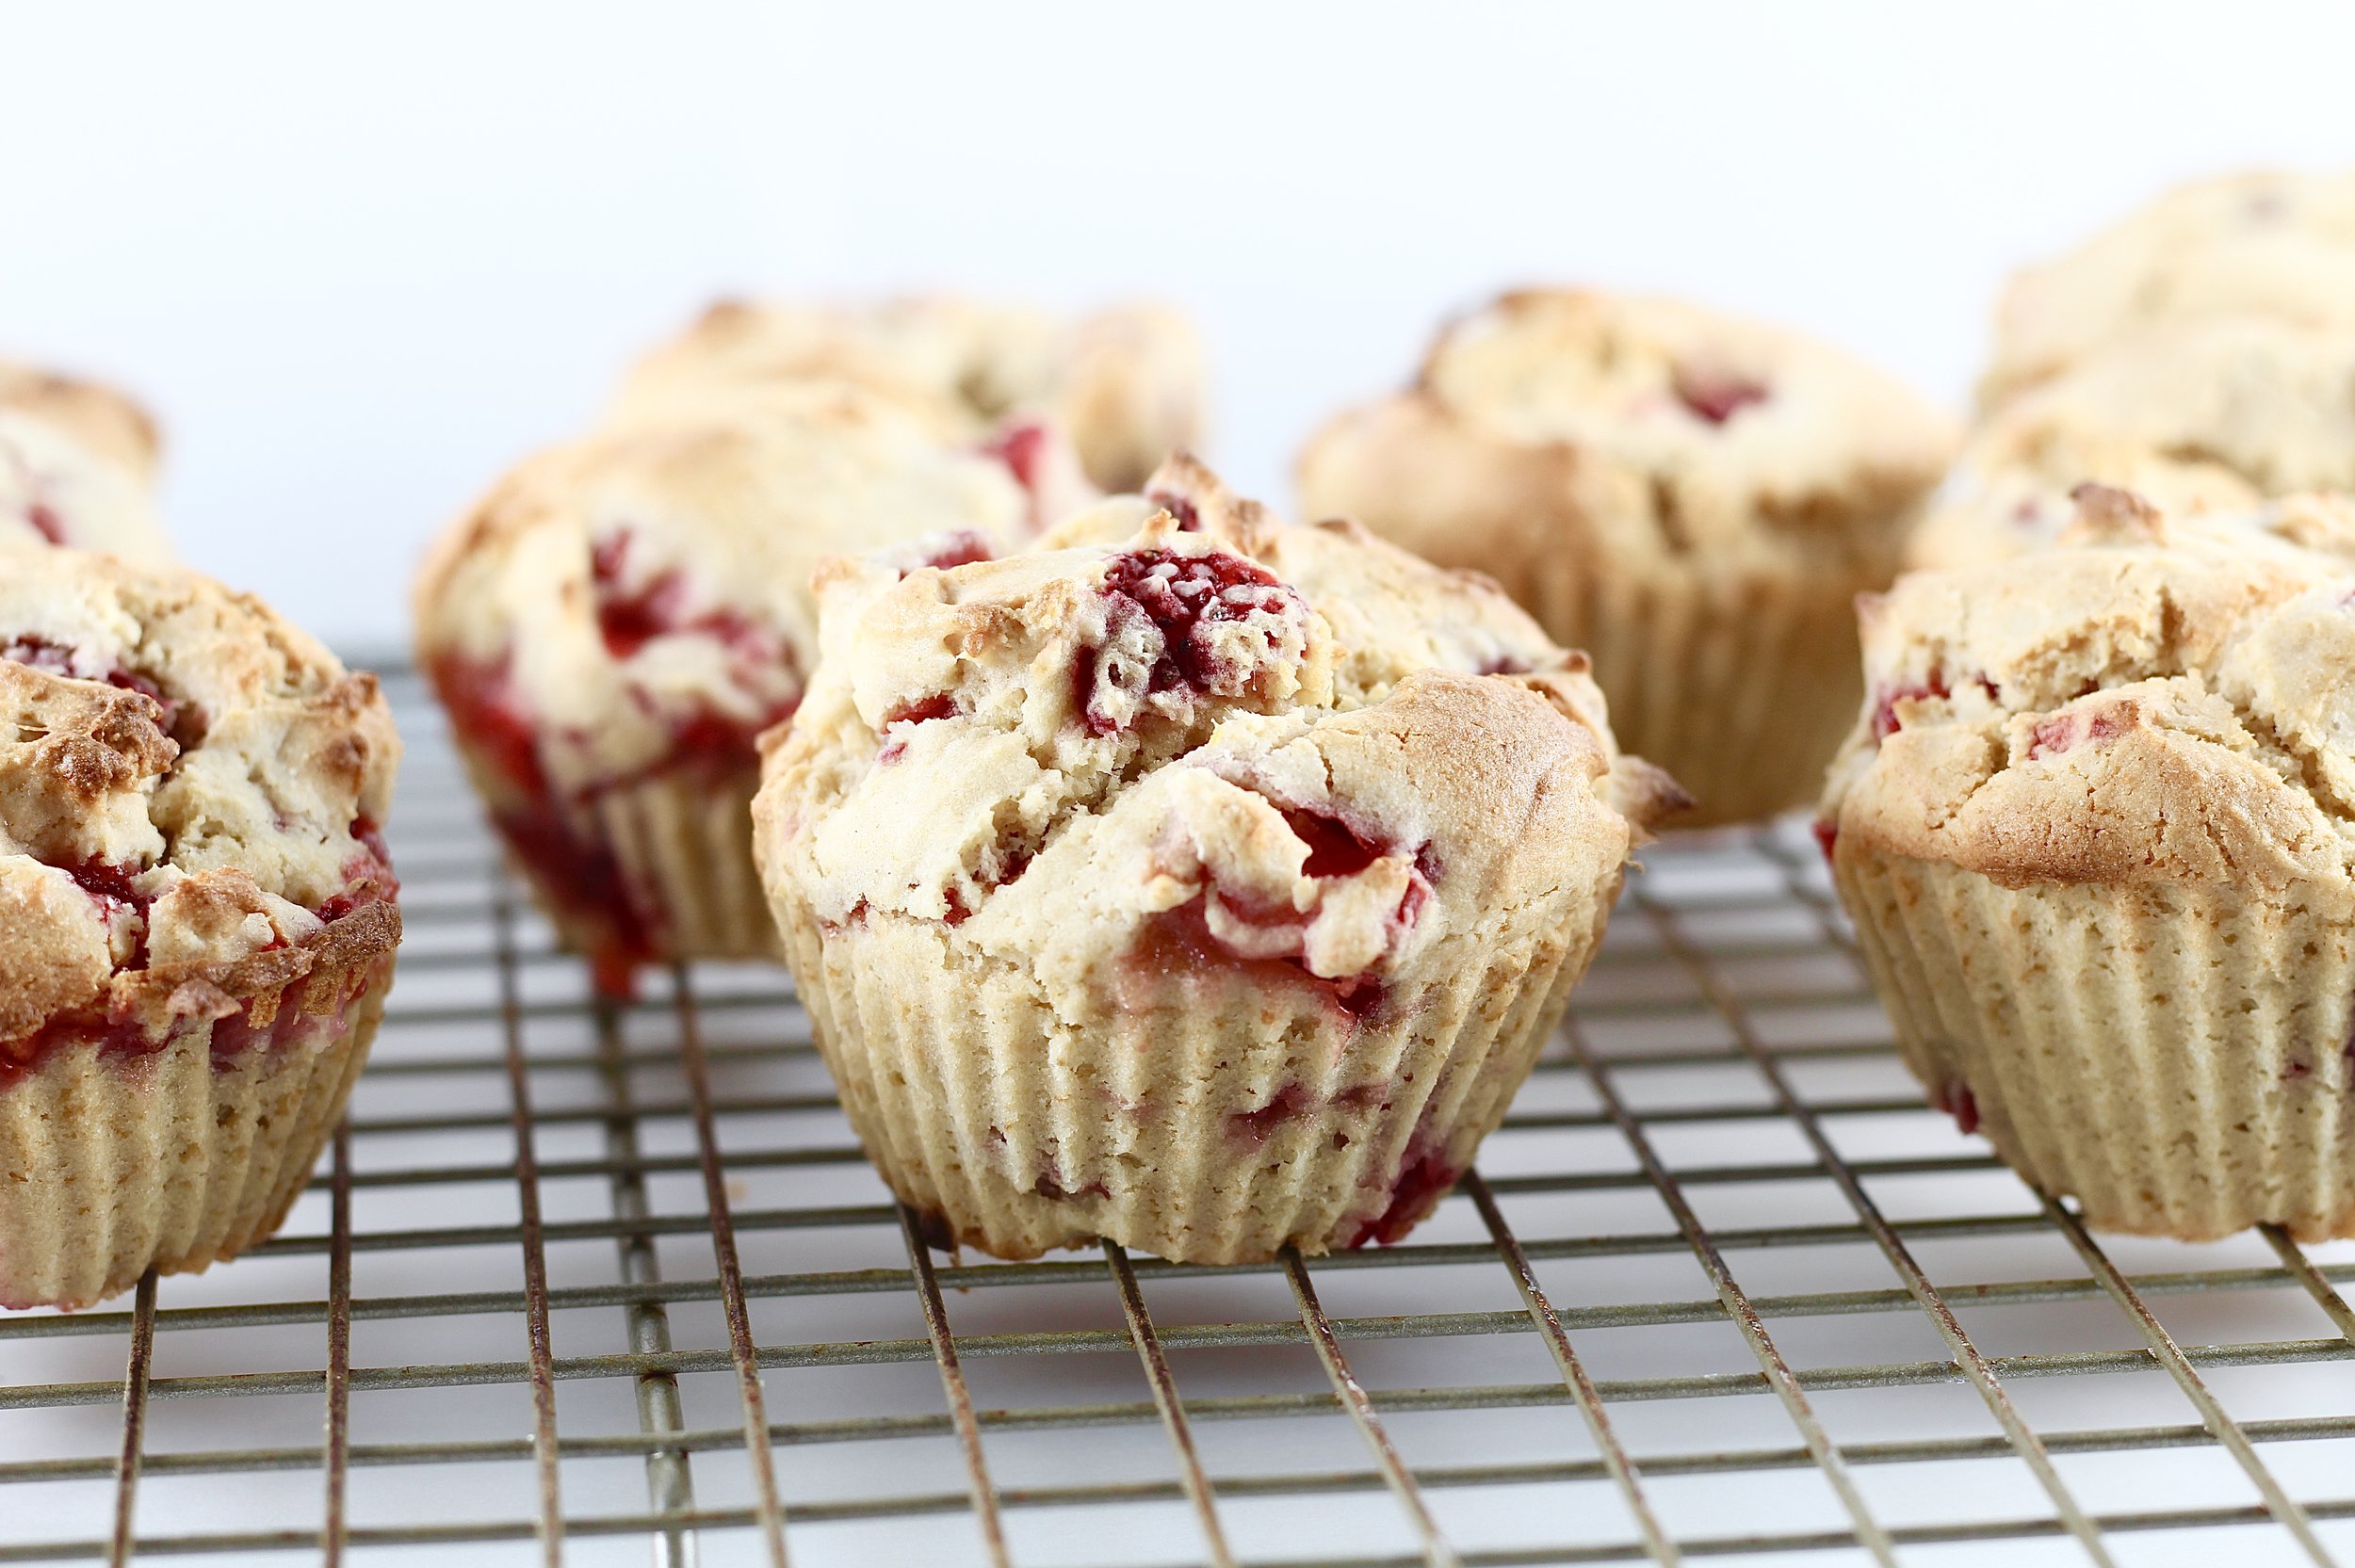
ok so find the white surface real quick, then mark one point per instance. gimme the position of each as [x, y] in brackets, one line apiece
[363, 258]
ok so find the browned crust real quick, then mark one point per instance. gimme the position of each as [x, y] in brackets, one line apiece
[105, 420]
[82, 738]
[2151, 807]
[2157, 713]
[1526, 514]
[255, 984]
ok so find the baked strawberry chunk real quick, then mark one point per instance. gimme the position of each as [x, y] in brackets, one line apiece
[1715, 396]
[1169, 627]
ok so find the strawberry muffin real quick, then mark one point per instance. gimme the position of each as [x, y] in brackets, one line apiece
[1691, 497]
[78, 465]
[2270, 245]
[197, 918]
[2096, 827]
[2219, 415]
[614, 624]
[1125, 383]
[1193, 881]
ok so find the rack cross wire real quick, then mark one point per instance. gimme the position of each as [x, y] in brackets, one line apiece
[581, 1283]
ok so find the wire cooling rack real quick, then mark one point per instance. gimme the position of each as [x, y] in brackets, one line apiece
[583, 1285]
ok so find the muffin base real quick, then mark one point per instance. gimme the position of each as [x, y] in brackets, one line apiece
[1212, 1120]
[683, 843]
[1743, 688]
[649, 867]
[2175, 1060]
[172, 1158]
[644, 873]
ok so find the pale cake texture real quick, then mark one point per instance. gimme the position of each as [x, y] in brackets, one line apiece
[1692, 498]
[2215, 415]
[78, 466]
[2268, 245]
[613, 626]
[197, 918]
[1125, 383]
[1195, 880]
[2095, 825]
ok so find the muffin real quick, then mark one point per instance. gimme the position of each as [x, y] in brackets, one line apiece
[2093, 829]
[1193, 881]
[2274, 246]
[613, 626]
[197, 918]
[1692, 498]
[78, 465]
[1125, 383]
[2219, 415]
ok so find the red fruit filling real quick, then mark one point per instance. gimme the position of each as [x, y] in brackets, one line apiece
[1826, 836]
[1176, 953]
[368, 877]
[1504, 664]
[1423, 1178]
[1334, 849]
[956, 547]
[1290, 1103]
[55, 660]
[1022, 447]
[1189, 517]
[1178, 949]
[1955, 1098]
[2065, 732]
[110, 888]
[1714, 395]
[1003, 865]
[629, 619]
[1287, 1104]
[1885, 720]
[1162, 619]
[579, 873]
[629, 616]
[922, 711]
[45, 522]
[232, 1038]
[573, 866]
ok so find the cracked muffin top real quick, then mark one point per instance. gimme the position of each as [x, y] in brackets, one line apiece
[77, 462]
[1125, 382]
[1329, 749]
[2215, 417]
[2153, 700]
[2269, 245]
[646, 588]
[189, 794]
[1641, 426]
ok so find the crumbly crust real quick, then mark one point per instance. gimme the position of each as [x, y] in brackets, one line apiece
[1692, 498]
[1573, 431]
[2154, 703]
[189, 792]
[974, 751]
[2269, 244]
[655, 574]
[1127, 383]
[2215, 415]
[78, 459]
[103, 418]
[1195, 880]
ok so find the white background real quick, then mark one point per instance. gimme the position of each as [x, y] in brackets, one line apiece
[362, 257]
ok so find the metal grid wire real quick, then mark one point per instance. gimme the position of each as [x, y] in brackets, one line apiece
[577, 1283]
